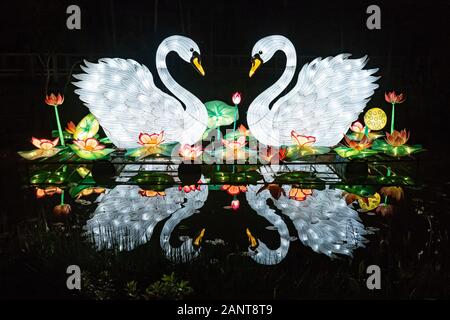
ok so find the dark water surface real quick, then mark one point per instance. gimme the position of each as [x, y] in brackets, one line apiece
[125, 242]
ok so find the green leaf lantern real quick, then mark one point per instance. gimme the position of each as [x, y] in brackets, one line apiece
[219, 113]
[86, 128]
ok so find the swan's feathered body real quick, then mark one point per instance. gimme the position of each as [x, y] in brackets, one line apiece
[328, 96]
[122, 95]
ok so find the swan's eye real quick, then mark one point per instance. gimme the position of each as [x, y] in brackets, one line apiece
[192, 49]
[260, 52]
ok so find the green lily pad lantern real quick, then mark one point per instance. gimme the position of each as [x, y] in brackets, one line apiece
[220, 114]
[86, 128]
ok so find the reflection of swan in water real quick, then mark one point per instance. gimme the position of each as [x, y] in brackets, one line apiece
[124, 219]
[190, 248]
[323, 221]
[262, 254]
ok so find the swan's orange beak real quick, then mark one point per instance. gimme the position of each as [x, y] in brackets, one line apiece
[251, 239]
[198, 240]
[256, 63]
[197, 63]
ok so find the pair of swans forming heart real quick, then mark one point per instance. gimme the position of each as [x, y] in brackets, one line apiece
[328, 97]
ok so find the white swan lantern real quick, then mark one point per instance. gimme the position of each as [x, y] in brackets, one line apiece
[328, 97]
[121, 94]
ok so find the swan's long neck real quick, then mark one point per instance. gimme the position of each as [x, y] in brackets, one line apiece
[259, 116]
[195, 115]
[186, 251]
[269, 256]
[265, 255]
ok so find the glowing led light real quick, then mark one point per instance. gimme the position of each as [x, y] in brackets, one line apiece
[121, 94]
[375, 119]
[328, 97]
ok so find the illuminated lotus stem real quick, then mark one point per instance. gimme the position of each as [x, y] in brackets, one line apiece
[62, 197]
[61, 136]
[218, 134]
[218, 130]
[235, 116]
[236, 98]
[392, 117]
[366, 131]
[218, 141]
[388, 174]
[234, 128]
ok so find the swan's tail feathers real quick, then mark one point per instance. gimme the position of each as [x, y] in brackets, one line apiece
[373, 71]
[343, 56]
[363, 61]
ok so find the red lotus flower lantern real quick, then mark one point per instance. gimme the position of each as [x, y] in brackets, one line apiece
[55, 101]
[393, 99]
[236, 98]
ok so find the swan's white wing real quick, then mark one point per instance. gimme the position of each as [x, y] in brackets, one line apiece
[121, 94]
[328, 97]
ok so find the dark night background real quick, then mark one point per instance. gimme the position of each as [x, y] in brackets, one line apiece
[37, 51]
